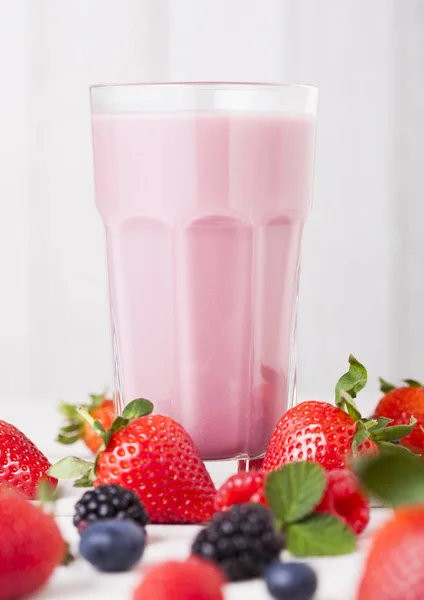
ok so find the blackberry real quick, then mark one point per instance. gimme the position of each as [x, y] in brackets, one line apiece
[242, 540]
[109, 502]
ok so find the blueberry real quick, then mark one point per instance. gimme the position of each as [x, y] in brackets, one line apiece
[113, 545]
[291, 581]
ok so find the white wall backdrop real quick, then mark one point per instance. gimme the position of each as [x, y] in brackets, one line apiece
[363, 251]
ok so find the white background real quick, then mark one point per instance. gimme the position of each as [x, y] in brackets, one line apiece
[362, 289]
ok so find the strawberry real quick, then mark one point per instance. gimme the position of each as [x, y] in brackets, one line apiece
[400, 404]
[76, 428]
[22, 464]
[394, 569]
[320, 432]
[153, 456]
[156, 458]
[31, 547]
[239, 488]
[344, 498]
[194, 579]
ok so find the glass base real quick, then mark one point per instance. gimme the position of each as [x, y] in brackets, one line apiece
[250, 464]
[221, 470]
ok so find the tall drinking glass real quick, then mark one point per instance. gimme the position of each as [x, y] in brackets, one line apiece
[204, 189]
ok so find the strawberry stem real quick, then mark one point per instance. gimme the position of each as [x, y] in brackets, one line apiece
[96, 425]
[83, 412]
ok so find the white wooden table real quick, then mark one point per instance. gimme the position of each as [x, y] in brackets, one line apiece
[338, 576]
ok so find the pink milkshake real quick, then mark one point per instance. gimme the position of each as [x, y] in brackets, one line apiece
[204, 199]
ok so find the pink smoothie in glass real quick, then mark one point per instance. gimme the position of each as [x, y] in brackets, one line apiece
[204, 216]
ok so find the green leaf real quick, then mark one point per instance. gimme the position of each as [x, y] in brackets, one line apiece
[68, 558]
[361, 435]
[295, 490]
[393, 477]
[320, 534]
[353, 381]
[46, 493]
[413, 383]
[118, 423]
[390, 434]
[381, 422]
[73, 427]
[97, 399]
[70, 468]
[369, 424]
[67, 439]
[96, 460]
[69, 411]
[137, 408]
[86, 480]
[385, 386]
[394, 449]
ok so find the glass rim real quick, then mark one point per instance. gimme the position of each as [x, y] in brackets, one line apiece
[203, 96]
[211, 84]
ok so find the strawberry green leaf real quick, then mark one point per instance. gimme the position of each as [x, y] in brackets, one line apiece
[385, 386]
[69, 557]
[319, 534]
[294, 491]
[137, 408]
[393, 478]
[361, 435]
[380, 423]
[86, 480]
[46, 493]
[370, 424]
[70, 468]
[394, 449]
[353, 381]
[390, 434]
[73, 427]
[412, 383]
[67, 439]
[69, 411]
[118, 423]
[97, 399]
